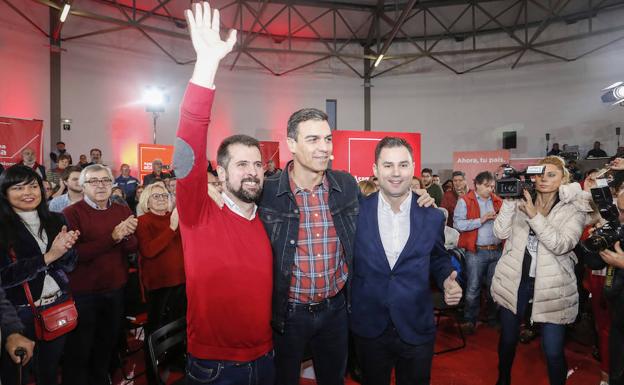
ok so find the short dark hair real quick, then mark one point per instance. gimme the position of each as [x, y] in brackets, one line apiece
[391, 142]
[68, 170]
[95, 149]
[60, 142]
[458, 173]
[301, 116]
[426, 170]
[434, 175]
[63, 156]
[482, 177]
[223, 153]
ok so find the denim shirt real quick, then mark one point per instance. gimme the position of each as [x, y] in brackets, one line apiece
[280, 215]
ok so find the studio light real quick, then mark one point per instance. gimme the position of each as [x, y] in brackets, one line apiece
[614, 94]
[65, 12]
[154, 99]
[379, 59]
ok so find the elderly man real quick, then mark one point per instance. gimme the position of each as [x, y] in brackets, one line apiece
[157, 173]
[29, 159]
[127, 182]
[107, 237]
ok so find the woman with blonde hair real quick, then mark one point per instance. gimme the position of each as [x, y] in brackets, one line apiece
[538, 263]
[367, 187]
[161, 262]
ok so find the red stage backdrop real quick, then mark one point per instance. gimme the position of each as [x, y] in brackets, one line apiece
[149, 152]
[473, 162]
[354, 151]
[16, 135]
[269, 150]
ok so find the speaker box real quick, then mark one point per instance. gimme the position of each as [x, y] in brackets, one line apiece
[509, 139]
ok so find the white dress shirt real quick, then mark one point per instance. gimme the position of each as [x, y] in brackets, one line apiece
[394, 228]
[236, 209]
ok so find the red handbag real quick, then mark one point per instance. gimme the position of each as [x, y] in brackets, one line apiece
[54, 321]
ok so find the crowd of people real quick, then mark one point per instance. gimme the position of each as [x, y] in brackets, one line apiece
[270, 266]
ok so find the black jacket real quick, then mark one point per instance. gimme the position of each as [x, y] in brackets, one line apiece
[9, 321]
[30, 265]
[280, 214]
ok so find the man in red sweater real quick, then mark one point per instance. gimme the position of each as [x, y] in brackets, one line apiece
[227, 254]
[98, 281]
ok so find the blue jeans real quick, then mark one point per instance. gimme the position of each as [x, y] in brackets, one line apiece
[479, 269]
[553, 338]
[326, 332]
[258, 372]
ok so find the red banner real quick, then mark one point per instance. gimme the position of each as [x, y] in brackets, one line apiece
[149, 152]
[474, 162]
[18, 134]
[270, 151]
[354, 151]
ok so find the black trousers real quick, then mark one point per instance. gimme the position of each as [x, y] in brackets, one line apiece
[90, 346]
[379, 355]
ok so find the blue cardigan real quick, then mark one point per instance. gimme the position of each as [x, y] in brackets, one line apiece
[401, 295]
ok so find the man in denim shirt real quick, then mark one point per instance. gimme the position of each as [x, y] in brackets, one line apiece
[474, 219]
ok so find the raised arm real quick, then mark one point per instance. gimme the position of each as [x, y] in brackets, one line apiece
[190, 144]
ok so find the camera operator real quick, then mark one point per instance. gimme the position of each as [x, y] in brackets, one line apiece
[613, 259]
[538, 263]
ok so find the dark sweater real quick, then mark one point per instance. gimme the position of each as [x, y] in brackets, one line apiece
[102, 264]
[161, 261]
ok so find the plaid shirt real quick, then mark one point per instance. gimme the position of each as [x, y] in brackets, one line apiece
[319, 270]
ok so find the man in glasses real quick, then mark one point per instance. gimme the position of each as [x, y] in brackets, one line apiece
[99, 278]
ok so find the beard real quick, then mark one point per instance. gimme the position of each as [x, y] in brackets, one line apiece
[242, 194]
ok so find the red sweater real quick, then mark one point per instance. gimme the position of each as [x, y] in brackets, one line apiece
[161, 261]
[227, 258]
[102, 264]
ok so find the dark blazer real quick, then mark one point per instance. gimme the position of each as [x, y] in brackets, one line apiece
[30, 266]
[401, 295]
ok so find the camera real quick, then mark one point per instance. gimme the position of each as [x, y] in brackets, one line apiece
[612, 231]
[513, 183]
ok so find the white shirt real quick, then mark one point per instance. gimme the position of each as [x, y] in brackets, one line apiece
[394, 228]
[236, 209]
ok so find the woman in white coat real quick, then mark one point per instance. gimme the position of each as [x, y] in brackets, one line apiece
[538, 263]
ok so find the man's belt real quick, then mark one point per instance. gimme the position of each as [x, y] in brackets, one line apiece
[489, 247]
[315, 307]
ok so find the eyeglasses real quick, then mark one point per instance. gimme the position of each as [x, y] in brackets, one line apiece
[100, 182]
[160, 196]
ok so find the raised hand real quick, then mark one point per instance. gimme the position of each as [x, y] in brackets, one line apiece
[174, 220]
[63, 241]
[452, 290]
[424, 200]
[209, 47]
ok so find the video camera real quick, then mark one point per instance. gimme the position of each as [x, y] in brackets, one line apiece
[513, 183]
[612, 231]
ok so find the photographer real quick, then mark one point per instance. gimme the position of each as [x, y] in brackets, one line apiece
[538, 263]
[613, 259]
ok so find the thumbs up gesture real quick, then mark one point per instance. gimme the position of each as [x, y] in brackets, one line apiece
[452, 290]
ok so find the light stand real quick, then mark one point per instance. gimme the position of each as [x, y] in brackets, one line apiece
[617, 133]
[154, 99]
[547, 142]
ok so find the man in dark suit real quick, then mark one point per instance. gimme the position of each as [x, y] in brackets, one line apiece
[397, 246]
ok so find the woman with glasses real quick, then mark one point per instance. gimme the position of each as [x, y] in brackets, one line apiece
[161, 263]
[36, 249]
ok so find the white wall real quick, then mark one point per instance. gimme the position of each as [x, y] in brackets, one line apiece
[102, 84]
[470, 112]
[24, 67]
